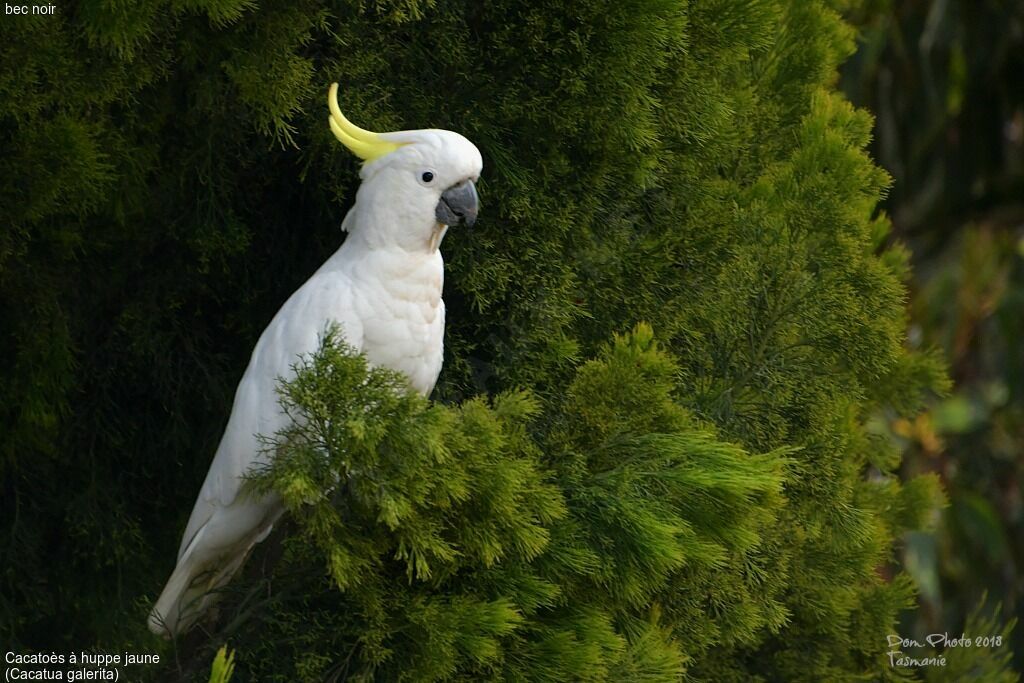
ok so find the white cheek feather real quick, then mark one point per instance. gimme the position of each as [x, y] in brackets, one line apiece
[437, 235]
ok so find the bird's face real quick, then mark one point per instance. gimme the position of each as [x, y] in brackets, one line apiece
[424, 185]
[433, 172]
[416, 183]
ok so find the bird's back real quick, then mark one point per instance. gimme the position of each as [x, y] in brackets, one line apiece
[295, 331]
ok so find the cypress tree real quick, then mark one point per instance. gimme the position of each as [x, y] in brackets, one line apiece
[650, 452]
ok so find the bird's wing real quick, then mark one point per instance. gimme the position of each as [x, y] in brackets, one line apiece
[296, 330]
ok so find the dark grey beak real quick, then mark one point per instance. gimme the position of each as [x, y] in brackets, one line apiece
[458, 204]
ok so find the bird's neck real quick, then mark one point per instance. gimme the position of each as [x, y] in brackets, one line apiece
[381, 223]
[416, 247]
[390, 266]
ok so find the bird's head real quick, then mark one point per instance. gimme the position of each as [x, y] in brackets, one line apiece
[415, 182]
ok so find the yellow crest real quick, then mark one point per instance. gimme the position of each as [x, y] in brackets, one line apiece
[365, 144]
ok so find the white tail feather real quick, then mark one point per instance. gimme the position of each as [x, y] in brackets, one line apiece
[193, 585]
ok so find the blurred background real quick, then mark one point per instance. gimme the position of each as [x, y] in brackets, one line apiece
[945, 80]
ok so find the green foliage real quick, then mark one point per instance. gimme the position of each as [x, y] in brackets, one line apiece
[467, 541]
[573, 505]
[394, 459]
[223, 666]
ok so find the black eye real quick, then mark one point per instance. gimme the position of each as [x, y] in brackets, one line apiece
[427, 176]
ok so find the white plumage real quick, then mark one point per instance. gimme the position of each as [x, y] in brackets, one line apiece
[383, 287]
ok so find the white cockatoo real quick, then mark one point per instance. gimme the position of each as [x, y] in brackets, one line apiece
[382, 287]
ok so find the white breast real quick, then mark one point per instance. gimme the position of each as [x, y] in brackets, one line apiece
[398, 299]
